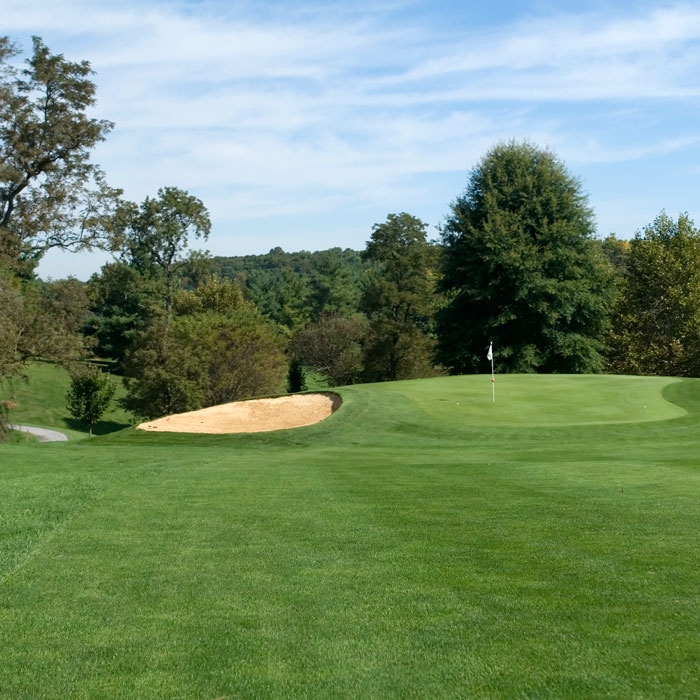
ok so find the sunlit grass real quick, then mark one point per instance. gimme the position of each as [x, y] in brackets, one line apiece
[406, 546]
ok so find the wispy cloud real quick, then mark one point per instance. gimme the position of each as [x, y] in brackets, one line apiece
[277, 110]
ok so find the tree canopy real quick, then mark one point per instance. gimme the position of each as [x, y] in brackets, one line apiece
[89, 395]
[51, 195]
[521, 269]
[218, 348]
[399, 300]
[656, 324]
[154, 237]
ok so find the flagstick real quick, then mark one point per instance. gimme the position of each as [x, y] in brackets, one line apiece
[493, 381]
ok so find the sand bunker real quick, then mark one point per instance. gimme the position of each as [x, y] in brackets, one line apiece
[255, 416]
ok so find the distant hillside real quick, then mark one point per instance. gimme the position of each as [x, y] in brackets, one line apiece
[302, 262]
[294, 288]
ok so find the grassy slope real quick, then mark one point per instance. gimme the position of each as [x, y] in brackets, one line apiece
[41, 402]
[407, 546]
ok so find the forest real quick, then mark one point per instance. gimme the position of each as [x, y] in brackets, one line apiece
[517, 263]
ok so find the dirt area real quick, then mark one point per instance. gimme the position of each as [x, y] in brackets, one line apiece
[255, 416]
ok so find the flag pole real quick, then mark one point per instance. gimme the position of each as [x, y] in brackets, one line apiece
[493, 378]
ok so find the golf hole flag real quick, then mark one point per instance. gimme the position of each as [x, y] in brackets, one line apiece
[489, 356]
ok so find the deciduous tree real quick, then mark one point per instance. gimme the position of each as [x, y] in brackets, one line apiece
[656, 324]
[41, 321]
[333, 347]
[154, 237]
[218, 348]
[89, 395]
[51, 195]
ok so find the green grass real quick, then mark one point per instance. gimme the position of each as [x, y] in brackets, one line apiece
[41, 402]
[16, 437]
[544, 547]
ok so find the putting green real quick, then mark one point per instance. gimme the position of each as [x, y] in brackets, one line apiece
[540, 399]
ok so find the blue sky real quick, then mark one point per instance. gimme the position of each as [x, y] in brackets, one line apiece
[303, 124]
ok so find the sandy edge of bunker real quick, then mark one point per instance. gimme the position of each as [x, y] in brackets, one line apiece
[254, 416]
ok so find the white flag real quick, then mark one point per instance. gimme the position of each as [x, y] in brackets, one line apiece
[490, 353]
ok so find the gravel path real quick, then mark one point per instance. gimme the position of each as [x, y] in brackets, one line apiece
[42, 434]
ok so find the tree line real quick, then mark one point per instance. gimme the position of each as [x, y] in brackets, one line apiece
[516, 263]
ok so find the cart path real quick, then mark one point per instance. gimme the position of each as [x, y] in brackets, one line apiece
[42, 434]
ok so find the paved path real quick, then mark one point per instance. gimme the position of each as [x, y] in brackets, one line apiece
[42, 434]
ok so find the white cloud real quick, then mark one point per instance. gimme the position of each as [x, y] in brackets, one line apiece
[304, 110]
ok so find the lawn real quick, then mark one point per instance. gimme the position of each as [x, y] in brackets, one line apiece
[421, 542]
[40, 401]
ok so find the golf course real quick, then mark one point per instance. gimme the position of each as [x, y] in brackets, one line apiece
[422, 541]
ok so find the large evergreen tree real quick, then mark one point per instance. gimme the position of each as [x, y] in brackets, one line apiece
[521, 269]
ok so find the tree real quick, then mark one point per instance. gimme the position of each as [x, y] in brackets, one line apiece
[656, 323]
[156, 387]
[4, 421]
[399, 300]
[333, 347]
[41, 321]
[123, 302]
[218, 348]
[616, 251]
[296, 379]
[521, 269]
[334, 284]
[51, 196]
[89, 396]
[154, 236]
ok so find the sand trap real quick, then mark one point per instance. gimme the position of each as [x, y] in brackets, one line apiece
[255, 416]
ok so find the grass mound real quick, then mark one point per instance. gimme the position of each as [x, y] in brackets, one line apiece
[403, 547]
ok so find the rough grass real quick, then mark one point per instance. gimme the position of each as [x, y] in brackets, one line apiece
[40, 400]
[404, 547]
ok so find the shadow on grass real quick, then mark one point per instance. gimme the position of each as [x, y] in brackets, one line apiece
[103, 427]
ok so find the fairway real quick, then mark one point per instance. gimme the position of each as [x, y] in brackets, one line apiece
[419, 542]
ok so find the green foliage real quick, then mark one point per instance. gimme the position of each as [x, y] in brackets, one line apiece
[616, 251]
[296, 379]
[656, 324]
[163, 375]
[334, 284]
[243, 354]
[218, 348]
[154, 236]
[282, 295]
[89, 395]
[50, 194]
[521, 269]
[213, 294]
[41, 320]
[332, 346]
[399, 300]
[123, 302]
[296, 288]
